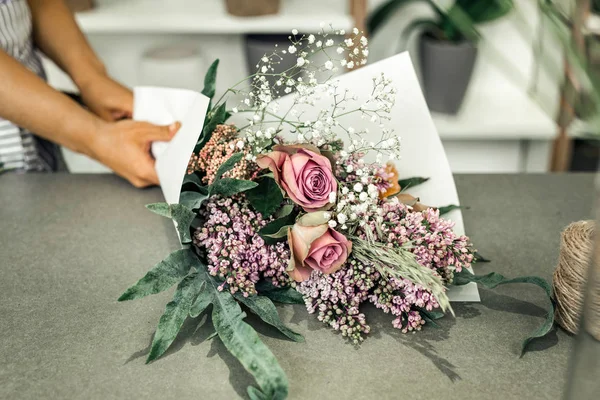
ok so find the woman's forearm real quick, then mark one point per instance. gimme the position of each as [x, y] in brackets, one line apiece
[57, 35]
[29, 102]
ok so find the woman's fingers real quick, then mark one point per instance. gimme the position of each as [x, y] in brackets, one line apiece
[155, 133]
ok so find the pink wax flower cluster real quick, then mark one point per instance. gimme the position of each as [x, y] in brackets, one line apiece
[223, 143]
[337, 297]
[236, 254]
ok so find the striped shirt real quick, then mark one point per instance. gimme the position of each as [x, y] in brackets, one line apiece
[19, 148]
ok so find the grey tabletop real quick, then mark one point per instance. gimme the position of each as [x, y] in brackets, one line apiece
[70, 245]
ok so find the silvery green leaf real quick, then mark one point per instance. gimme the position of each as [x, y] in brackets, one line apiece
[210, 80]
[175, 314]
[411, 182]
[281, 233]
[243, 343]
[265, 309]
[227, 187]
[287, 295]
[182, 215]
[494, 279]
[266, 197]
[162, 276]
[204, 299]
[192, 200]
[448, 208]
[228, 165]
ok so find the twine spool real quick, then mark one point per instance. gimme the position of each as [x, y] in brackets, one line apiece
[576, 249]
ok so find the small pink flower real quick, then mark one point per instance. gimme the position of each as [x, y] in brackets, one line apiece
[318, 248]
[303, 173]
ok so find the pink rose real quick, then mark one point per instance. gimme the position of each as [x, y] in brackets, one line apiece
[318, 248]
[303, 173]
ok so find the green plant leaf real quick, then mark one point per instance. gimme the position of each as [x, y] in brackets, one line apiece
[430, 316]
[479, 258]
[265, 309]
[175, 314]
[411, 182]
[494, 279]
[228, 165]
[210, 80]
[285, 295]
[448, 208]
[266, 197]
[179, 213]
[162, 276]
[192, 200]
[280, 234]
[418, 24]
[227, 187]
[215, 117]
[204, 299]
[383, 13]
[275, 226]
[485, 11]
[243, 343]
[284, 211]
[256, 394]
[193, 180]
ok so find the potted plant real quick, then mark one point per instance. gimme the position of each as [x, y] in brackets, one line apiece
[448, 45]
[252, 8]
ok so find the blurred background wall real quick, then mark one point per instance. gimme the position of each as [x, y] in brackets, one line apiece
[505, 122]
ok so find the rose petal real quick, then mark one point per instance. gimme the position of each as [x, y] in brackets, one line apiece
[313, 219]
[300, 273]
[288, 183]
[300, 239]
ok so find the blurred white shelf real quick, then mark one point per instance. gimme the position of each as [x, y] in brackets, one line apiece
[209, 17]
[497, 116]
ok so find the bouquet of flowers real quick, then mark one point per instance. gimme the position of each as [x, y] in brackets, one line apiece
[281, 211]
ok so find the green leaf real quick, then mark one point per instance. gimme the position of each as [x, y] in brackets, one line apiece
[410, 182]
[494, 279]
[256, 394]
[426, 23]
[204, 299]
[480, 258]
[430, 316]
[485, 11]
[266, 197]
[243, 343]
[228, 165]
[210, 80]
[181, 214]
[192, 200]
[227, 187]
[216, 117]
[175, 314]
[286, 295]
[284, 211]
[383, 13]
[265, 309]
[193, 180]
[448, 208]
[275, 226]
[163, 275]
[281, 233]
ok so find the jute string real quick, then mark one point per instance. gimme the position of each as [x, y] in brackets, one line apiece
[571, 274]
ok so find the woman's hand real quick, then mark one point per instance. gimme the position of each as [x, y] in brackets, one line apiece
[124, 147]
[107, 98]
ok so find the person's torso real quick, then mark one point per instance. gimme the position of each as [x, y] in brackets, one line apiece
[18, 147]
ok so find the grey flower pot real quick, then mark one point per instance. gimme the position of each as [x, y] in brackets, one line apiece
[446, 70]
